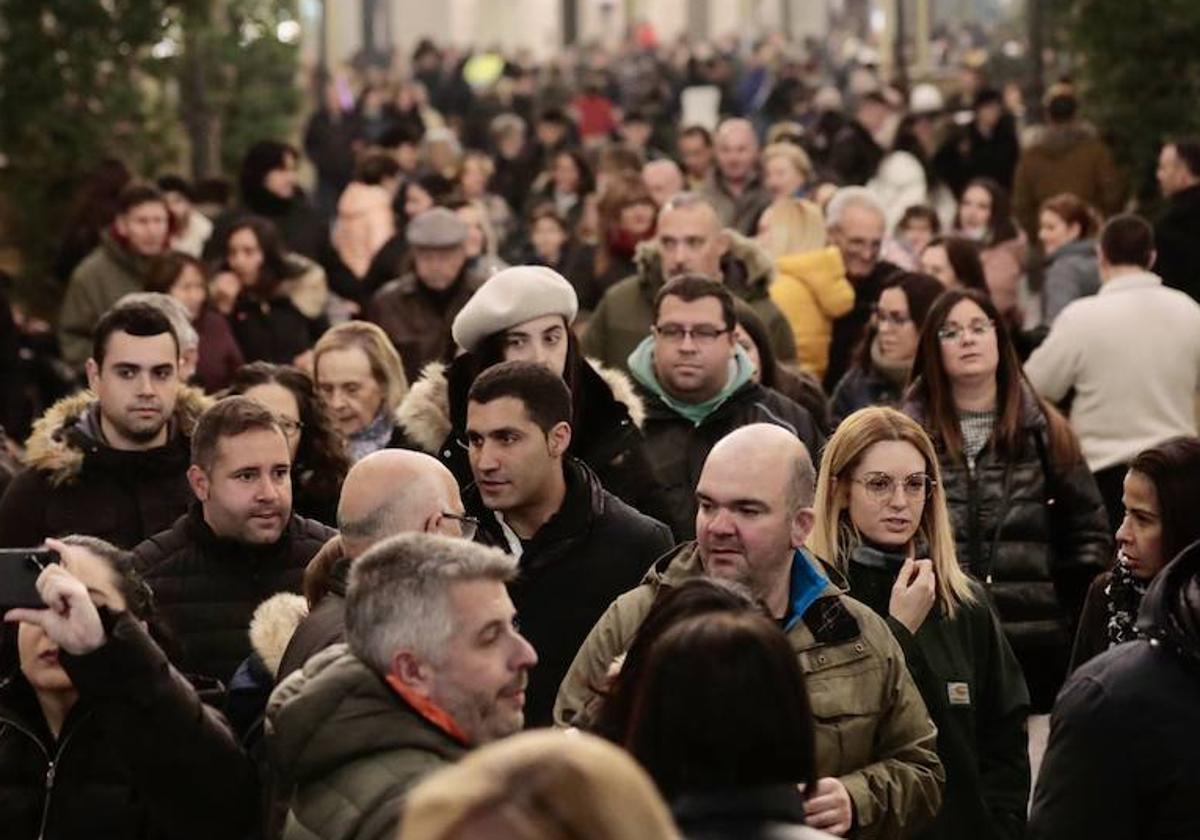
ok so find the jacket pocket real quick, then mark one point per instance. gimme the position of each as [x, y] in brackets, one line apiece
[844, 689]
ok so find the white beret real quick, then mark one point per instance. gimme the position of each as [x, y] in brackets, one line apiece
[510, 297]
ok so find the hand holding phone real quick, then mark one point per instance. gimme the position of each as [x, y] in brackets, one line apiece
[19, 570]
[63, 606]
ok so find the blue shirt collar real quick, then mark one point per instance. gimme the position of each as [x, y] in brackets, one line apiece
[806, 585]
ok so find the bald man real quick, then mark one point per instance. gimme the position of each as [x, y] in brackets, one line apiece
[735, 186]
[879, 773]
[689, 240]
[663, 180]
[389, 492]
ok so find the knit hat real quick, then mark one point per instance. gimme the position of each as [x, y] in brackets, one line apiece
[510, 297]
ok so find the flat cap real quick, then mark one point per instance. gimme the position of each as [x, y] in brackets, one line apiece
[437, 228]
[511, 297]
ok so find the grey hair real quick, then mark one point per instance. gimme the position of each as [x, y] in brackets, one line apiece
[848, 197]
[802, 482]
[398, 595]
[175, 311]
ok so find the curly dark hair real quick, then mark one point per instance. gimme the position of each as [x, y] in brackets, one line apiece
[321, 461]
[277, 265]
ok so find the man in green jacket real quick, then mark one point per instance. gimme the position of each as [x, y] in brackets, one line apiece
[690, 240]
[879, 773]
[117, 266]
[433, 666]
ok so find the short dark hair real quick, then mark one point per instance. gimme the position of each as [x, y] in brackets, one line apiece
[374, 166]
[698, 131]
[136, 194]
[920, 212]
[692, 287]
[963, 256]
[545, 395]
[176, 183]
[1188, 151]
[554, 115]
[1062, 107]
[140, 319]
[228, 417]
[1127, 239]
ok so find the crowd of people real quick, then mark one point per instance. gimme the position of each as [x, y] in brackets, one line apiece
[782, 466]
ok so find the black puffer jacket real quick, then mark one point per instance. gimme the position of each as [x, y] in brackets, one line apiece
[207, 587]
[138, 757]
[769, 812]
[862, 387]
[594, 549]
[1035, 535]
[605, 434]
[1123, 760]
[678, 448]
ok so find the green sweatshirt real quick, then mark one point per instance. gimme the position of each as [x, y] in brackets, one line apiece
[641, 365]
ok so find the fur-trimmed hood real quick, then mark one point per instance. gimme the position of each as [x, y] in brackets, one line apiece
[52, 448]
[748, 269]
[424, 414]
[272, 626]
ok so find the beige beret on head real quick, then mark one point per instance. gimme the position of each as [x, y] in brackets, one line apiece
[510, 297]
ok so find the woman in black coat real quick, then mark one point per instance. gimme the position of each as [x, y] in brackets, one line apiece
[95, 725]
[1028, 519]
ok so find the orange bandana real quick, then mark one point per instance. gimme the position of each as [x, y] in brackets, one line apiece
[429, 710]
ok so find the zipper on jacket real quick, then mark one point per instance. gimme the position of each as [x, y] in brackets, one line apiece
[51, 769]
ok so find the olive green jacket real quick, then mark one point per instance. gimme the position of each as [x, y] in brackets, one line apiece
[872, 729]
[105, 276]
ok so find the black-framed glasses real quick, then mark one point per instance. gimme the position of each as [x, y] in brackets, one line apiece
[468, 525]
[881, 487]
[675, 334]
[977, 327]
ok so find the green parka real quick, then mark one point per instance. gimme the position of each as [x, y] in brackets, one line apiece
[105, 276]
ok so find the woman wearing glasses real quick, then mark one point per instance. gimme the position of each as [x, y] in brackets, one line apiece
[884, 359]
[881, 519]
[1027, 516]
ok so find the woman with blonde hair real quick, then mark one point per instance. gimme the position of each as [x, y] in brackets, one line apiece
[540, 785]
[361, 382]
[881, 520]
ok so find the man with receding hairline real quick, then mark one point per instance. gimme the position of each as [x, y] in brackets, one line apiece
[734, 187]
[879, 773]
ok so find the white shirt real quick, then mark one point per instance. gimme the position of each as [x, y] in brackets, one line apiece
[1132, 354]
[191, 239]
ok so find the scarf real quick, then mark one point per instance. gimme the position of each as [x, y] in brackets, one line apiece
[1124, 593]
[374, 436]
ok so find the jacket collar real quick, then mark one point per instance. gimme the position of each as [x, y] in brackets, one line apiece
[1129, 282]
[231, 551]
[746, 268]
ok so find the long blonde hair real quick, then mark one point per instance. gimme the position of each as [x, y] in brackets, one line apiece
[796, 226]
[834, 536]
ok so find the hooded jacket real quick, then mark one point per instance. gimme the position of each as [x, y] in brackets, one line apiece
[113, 772]
[1036, 534]
[346, 748]
[626, 312]
[1071, 272]
[74, 483]
[207, 587]
[872, 729]
[594, 549]
[606, 434]
[811, 290]
[106, 275]
[1123, 759]
[1066, 158]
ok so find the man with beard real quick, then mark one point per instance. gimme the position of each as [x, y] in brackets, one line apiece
[110, 462]
[239, 543]
[689, 240]
[433, 666]
[579, 546]
[878, 770]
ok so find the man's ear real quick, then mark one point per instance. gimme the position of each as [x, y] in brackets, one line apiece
[413, 672]
[559, 439]
[802, 525]
[122, 226]
[198, 480]
[93, 374]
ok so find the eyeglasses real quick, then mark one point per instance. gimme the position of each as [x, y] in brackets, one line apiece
[977, 327]
[467, 524]
[290, 427]
[881, 486]
[882, 316]
[675, 334]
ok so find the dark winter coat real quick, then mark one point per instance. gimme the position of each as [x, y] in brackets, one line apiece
[972, 685]
[219, 356]
[848, 330]
[862, 387]
[594, 549]
[301, 227]
[139, 755]
[324, 626]
[273, 331]
[1123, 759]
[1035, 534]
[1177, 241]
[854, 155]
[606, 436]
[207, 587]
[75, 484]
[967, 155]
[678, 448]
[418, 320]
[769, 812]
[1065, 159]
[1091, 639]
[347, 748]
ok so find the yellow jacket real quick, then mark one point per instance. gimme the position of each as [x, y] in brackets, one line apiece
[811, 290]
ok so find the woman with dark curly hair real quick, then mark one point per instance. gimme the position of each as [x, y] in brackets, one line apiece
[319, 463]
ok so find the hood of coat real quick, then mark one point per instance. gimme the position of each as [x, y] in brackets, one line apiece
[426, 418]
[272, 625]
[53, 446]
[1170, 611]
[335, 711]
[747, 269]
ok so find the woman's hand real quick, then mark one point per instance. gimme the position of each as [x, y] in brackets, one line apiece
[913, 594]
[70, 619]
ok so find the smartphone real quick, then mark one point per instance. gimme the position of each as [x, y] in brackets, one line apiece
[19, 570]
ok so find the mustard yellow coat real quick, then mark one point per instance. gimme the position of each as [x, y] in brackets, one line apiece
[811, 290]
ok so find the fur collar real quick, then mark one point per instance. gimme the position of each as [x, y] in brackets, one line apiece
[50, 450]
[424, 414]
[757, 267]
[271, 628]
